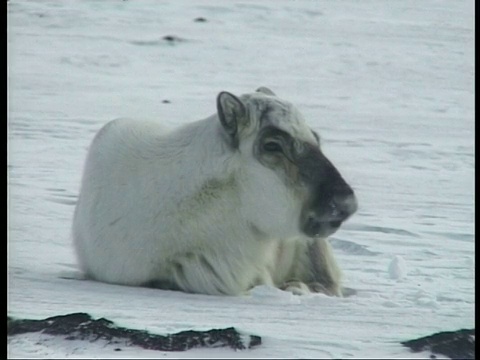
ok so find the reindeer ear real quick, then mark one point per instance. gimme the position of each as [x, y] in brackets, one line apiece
[231, 112]
[265, 90]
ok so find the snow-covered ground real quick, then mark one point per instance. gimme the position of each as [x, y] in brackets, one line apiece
[387, 84]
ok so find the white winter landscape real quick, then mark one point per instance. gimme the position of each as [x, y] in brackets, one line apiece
[388, 85]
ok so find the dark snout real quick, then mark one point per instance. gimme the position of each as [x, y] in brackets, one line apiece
[326, 217]
[332, 200]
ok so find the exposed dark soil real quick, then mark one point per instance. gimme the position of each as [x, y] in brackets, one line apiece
[81, 326]
[458, 344]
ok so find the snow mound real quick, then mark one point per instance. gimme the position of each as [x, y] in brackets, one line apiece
[398, 268]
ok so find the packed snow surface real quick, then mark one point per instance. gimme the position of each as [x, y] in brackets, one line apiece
[387, 85]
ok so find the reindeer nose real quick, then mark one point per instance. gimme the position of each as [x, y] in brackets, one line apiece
[343, 206]
[331, 217]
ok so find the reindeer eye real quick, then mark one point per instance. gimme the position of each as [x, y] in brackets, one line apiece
[272, 146]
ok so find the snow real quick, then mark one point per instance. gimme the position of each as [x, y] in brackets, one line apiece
[397, 268]
[389, 87]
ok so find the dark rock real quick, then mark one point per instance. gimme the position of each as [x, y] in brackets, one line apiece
[200, 19]
[81, 326]
[458, 344]
[166, 101]
[167, 39]
[172, 39]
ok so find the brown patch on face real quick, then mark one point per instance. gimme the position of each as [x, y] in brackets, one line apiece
[279, 151]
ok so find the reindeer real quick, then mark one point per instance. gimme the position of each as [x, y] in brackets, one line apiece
[242, 198]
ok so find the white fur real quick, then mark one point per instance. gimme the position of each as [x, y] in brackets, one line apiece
[182, 207]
